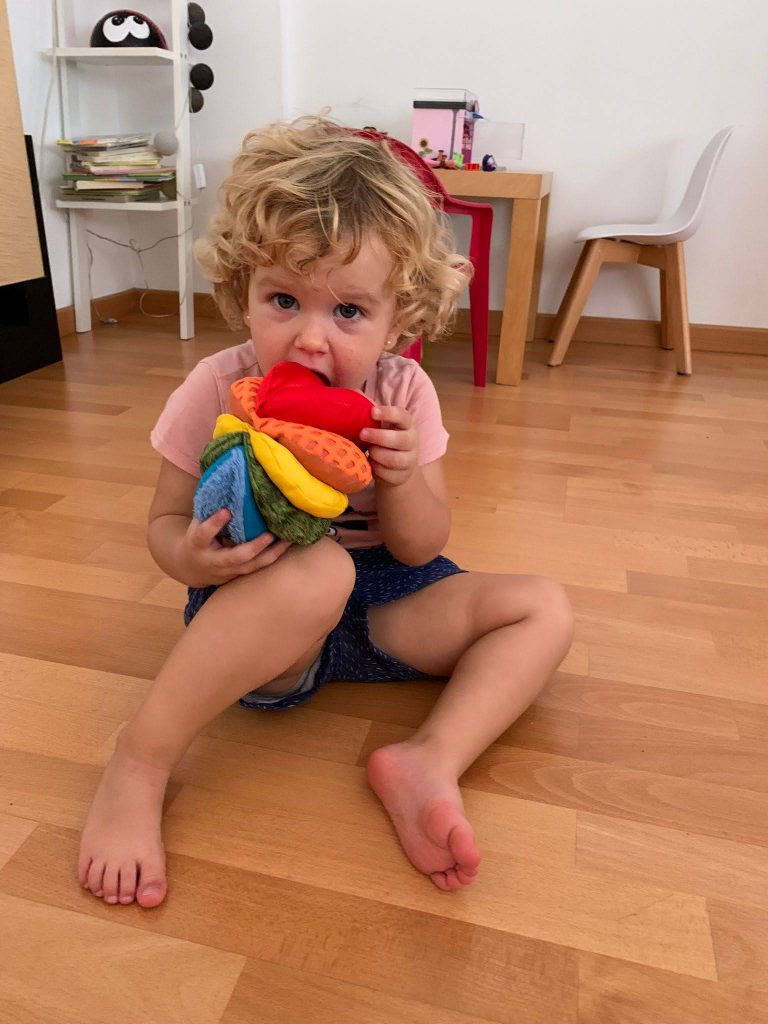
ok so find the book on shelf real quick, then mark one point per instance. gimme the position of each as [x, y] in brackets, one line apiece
[146, 155]
[119, 167]
[120, 175]
[97, 142]
[107, 183]
[119, 170]
[114, 196]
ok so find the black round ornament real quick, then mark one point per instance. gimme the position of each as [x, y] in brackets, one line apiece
[201, 76]
[200, 36]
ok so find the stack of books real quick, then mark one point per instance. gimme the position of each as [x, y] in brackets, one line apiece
[116, 168]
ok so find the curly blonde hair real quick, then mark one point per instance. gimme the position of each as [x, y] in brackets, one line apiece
[298, 192]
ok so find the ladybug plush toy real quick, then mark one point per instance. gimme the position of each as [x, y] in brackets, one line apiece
[127, 28]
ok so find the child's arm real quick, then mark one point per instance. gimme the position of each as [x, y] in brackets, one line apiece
[187, 549]
[412, 500]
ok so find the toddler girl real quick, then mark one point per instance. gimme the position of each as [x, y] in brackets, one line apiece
[327, 247]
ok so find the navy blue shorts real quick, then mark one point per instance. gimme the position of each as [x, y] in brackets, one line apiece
[348, 653]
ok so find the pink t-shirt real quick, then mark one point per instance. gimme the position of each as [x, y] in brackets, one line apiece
[186, 423]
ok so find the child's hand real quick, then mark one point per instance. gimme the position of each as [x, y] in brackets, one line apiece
[218, 563]
[392, 449]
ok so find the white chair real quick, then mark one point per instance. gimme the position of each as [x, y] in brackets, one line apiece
[657, 245]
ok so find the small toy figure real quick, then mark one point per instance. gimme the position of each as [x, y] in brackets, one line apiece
[441, 160]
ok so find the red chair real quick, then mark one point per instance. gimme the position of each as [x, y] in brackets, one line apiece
[479, 250]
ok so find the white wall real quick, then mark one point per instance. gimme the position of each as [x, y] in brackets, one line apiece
[618, 98]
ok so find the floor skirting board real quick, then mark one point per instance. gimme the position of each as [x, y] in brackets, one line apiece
[610, 330]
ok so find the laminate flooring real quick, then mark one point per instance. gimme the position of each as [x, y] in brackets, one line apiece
[623, 819]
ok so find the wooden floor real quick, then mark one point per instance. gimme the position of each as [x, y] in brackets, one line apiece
[623, 819]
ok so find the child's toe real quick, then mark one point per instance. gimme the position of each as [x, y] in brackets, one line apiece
[95, 879]
[452, 879]
[111, 883]
[438, 877]
[461, 843]
[152, 885]
[465, 877]
[151, 895]
[128, 882]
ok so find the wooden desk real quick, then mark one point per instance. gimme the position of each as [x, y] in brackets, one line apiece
[529, 192]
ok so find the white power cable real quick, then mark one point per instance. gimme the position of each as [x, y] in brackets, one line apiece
[133, 245]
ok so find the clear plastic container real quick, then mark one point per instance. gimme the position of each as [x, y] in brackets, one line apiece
[503, 140]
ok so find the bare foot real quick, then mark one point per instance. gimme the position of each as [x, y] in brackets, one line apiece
[427, 812]
[121, 852]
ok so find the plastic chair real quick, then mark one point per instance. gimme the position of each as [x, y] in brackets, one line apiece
[657, 245]
[479, 250]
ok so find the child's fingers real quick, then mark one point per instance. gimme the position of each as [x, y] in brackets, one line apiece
[240, 554]
[202, 534]
[394, 415]
[390, 458]
[399, 439]
[268, 557]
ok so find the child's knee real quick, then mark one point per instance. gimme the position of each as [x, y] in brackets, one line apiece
[330, 567]
[318, 579]
[550, 603]
[519, 598]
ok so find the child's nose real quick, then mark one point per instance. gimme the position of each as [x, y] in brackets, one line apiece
[312, 336]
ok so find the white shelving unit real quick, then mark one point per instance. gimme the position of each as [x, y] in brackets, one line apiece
[77, 204]
[175, 60]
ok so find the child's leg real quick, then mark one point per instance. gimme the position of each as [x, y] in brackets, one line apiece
[499, 638]
[251, 631]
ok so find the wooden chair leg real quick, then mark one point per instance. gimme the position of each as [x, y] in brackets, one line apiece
[678, 330]
[663, 304]
[575, 298]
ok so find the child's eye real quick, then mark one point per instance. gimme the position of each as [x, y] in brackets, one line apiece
[348, 312]
[283, 301]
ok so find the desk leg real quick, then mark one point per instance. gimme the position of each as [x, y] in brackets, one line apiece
[530, 333]
[518, 293]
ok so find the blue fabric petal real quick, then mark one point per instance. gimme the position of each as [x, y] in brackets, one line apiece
[225, 484]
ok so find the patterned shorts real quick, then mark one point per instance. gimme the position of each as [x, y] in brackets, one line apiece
[348, 653]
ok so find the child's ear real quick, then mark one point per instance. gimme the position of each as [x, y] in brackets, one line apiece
[391, 340]
[396, 332]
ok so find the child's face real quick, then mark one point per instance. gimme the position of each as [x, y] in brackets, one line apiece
[338, 322]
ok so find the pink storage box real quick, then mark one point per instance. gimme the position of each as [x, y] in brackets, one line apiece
[444, 119]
